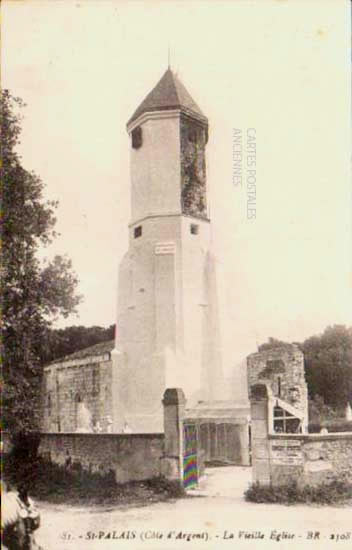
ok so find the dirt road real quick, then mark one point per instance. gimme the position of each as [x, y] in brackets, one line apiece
[214, 517]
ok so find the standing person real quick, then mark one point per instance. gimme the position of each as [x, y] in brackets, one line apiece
[19, 520]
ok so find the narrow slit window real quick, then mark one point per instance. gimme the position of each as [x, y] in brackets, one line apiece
[137, 231]
[49, 404]
[194, 229]
[137, 138]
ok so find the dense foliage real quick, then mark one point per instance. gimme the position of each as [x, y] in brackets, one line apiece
[328, 365]
[335, 426]
[33, 292]
[71, 484]
[62, 342]
[328, 493]
[319, 411]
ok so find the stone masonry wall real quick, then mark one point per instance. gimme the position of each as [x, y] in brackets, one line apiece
[308, 459]
[311, 459]
[282, 369]
[68, 384]
[129, 456]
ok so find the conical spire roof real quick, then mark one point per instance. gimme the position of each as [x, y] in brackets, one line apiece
[169, 93]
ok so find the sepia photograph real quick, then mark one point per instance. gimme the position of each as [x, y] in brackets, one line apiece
[176, 274]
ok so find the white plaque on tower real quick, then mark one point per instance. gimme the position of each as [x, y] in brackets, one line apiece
[165, 248]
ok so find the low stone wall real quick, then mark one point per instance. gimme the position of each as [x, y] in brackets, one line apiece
[129, 456]
[310, 459]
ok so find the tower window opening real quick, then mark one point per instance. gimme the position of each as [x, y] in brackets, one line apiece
[137, 231]
[194, 229]
[137, 137]
[279, 386]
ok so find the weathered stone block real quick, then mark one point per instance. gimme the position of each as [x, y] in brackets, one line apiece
[169, 468]
[261, 473]
[260, 429]
[260, 449]
[259, 410]
[317, 466]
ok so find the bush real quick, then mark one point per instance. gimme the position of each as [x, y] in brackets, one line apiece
[162, 485]
[51, 482]
[320, 412]
[329, 493]
[333, 426]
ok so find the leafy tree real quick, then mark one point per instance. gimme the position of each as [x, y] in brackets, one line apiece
[318, 411]
[62, 342]
[328, 365]
[34, 293]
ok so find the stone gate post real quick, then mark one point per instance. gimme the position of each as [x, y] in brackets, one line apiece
[259, 434]
[244, 444]
[174, 411]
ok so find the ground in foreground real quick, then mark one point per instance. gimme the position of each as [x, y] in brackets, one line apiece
[217, 517]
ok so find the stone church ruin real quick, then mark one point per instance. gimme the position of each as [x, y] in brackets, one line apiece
[155, 400]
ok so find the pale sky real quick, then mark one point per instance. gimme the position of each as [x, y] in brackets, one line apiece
[281, 67]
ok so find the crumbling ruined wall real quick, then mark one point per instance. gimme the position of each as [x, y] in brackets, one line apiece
[282, 369]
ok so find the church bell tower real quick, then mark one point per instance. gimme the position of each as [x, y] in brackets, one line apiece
[167, 323]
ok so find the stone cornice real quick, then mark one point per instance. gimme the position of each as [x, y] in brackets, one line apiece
[78, 362]
[307, 438]
[165, 114]
[168, 215]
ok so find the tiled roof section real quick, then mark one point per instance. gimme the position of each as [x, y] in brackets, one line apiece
[169, 93]
[97, 349]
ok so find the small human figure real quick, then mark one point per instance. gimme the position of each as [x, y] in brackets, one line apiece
[68, 460]
[108, 424]
[126, 429]
[97, 427]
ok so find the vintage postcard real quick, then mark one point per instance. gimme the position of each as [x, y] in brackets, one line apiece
[177, 349]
